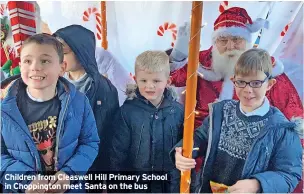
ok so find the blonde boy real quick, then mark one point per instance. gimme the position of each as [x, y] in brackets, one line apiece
[148, 124]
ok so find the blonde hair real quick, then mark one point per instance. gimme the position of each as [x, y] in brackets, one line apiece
[153, 61]
[252, 61]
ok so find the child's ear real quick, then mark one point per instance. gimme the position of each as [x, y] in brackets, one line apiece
[63, 66]
[271, 83]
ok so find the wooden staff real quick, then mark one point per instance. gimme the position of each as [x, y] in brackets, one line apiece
[191, 84]
[103, 9]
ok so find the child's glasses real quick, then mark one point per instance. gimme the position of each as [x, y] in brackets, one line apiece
[253, 83]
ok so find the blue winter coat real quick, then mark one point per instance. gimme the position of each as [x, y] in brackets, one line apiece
[102, 94]
[76, 135]
[144, 135]
[274, 159]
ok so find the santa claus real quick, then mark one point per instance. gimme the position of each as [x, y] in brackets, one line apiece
[231, 37]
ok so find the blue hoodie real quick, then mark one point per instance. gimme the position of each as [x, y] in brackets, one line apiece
[102, 94]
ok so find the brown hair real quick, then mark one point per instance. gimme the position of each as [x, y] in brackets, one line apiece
[252, 61]
[46, 39]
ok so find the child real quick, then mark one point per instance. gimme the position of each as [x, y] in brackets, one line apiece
[47, 125]
[149, 124]
[79, 53]
[252, 147]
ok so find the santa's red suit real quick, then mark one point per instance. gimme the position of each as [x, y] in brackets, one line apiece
[282, 95]
[212, 86]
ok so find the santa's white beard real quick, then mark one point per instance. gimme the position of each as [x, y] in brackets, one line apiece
[223, 64]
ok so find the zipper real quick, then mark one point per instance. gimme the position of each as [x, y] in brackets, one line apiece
[172, 137]
[209, 145]
[58, 136]
[37, 166]
[142, 128]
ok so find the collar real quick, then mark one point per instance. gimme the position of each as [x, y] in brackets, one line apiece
[81, 78]
[261, 111]
[37, 99]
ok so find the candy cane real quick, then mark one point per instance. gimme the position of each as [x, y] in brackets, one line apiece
[285, 29]
[132, 76]
[86, 17]
[223, 6]
[2, 9]
[172, 27]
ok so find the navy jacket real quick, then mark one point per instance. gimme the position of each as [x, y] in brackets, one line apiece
[275, 159]
[102, 94]
[144, 135]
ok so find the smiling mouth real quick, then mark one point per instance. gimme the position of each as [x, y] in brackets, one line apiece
[37, 77]
[249, 98]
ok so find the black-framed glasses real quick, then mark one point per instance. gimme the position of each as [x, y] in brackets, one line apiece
[253, 83]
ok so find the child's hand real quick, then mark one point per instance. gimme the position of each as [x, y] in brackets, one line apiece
[245, 186]
[182, 163]
[36, 182]
[62, 181]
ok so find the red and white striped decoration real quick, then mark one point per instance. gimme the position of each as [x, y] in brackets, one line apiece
[223, 6]
[22, 18]
[285, 29]
[95, 12]
[168, 26]
[2, 9]
[132, 76]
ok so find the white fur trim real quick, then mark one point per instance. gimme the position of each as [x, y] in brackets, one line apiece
[131, 88]
[174, 65]
[278, 68]
[227, 90]
[208, 75]
[257, 25]
[299, 126]
[227, 87]
[232, 31]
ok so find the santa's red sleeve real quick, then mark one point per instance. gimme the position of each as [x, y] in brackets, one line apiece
[284, 96]
[179, 76]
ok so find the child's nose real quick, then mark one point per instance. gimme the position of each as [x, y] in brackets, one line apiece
[247, 88]
[36, 66]
[150, 85]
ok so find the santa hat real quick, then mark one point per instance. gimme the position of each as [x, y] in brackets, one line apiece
[235, 21]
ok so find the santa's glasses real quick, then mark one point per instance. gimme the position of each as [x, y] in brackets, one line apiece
[223, 41]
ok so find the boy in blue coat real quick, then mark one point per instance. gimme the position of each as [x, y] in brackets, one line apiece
[148, 125]
[249, 146]
[47, 125]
